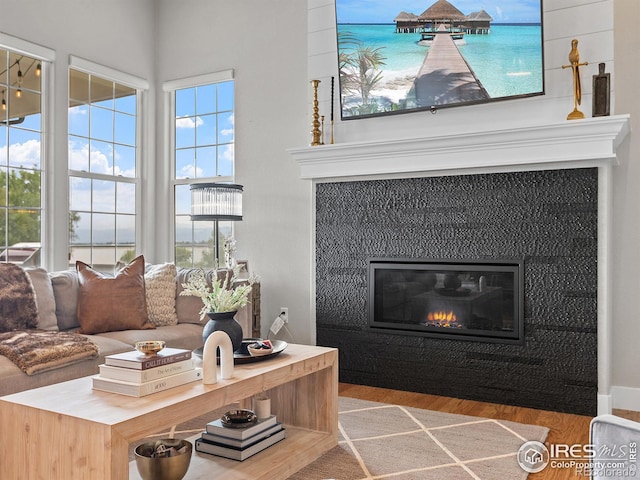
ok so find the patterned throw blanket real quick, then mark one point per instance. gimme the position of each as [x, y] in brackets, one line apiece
[37, 351]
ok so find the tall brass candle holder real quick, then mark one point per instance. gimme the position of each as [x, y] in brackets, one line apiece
[315, 131]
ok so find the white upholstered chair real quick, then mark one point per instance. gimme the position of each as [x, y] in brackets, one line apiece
[616, 441]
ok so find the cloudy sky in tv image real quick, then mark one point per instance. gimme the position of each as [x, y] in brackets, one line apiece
[384, 11]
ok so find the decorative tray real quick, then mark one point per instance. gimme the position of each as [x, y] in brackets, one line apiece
[239, 358]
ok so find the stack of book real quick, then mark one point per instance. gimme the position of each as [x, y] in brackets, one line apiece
[135, 374]
[239, 443]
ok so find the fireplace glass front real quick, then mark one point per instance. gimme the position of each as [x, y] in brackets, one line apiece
[469, 300]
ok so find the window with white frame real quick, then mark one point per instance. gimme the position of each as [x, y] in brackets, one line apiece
[21, 157]
[103, 169]
[203, 141]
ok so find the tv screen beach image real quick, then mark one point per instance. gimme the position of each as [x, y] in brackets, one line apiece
[407, 55]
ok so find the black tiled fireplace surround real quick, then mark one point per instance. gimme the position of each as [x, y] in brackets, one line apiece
[548, 218]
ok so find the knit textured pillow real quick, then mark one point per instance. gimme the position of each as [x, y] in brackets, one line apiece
[160, 287]
[18, 309]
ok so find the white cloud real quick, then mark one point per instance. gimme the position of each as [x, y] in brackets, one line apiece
[187, 122]
[100, 161]
[78, 156]
[82, 110]
[25, 154]
[190, 171]
[229, 131]
[125, 173]
[228, 153]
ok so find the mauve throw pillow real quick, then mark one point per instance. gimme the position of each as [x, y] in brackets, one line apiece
[107, 304]
[18, 309]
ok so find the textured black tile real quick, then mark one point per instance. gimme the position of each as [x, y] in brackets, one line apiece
[548, 218]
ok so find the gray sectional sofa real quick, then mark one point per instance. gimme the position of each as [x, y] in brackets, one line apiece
[56, 295]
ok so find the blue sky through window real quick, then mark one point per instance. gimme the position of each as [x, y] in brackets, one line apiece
[204, 131]
[204, 149]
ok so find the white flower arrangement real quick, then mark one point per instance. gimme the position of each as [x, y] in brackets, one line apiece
[221, 297]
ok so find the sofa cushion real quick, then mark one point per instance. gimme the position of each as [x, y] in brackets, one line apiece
[187, 306]
[65, 292]
[188, 336]
[45, 300]
[18, 309]
[160, 288]
[112, 303]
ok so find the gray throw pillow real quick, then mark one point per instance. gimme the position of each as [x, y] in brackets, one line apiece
[65, 292]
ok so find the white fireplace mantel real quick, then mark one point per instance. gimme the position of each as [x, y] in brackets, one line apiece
[585, 143]
[568, 144]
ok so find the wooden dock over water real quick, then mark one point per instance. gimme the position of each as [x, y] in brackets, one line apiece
[445, 77]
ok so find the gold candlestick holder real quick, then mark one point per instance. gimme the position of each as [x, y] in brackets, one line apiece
[315, 131]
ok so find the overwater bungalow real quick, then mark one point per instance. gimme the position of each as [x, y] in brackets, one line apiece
[407, 23]
[478, 23]
[442, 13]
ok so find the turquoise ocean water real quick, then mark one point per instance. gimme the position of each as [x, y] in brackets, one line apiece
[508, 61]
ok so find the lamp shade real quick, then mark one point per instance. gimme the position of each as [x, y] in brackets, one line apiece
[216, 201]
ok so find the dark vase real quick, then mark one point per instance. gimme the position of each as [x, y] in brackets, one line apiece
[224, 322]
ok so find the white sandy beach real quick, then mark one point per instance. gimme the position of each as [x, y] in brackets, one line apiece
[395, 85]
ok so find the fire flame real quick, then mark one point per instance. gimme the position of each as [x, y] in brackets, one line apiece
[442, 319]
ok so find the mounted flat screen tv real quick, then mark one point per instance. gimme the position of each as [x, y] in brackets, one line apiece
[401, 56]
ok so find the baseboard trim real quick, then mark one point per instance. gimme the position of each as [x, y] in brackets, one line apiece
[605, 404]
[624, 398]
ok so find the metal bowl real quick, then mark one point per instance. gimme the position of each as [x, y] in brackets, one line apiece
[163, 468]
[150, 347]
[238, 418]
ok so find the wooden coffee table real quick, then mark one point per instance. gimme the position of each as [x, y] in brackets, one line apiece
[69, 431]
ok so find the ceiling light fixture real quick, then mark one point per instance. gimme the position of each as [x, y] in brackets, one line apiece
[19, 91]
[4, 102]
[38, 69]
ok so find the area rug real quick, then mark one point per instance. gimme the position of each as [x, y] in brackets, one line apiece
[380, 440]
[384, 441]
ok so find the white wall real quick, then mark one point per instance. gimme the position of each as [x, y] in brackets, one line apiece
[626, 238]
[265, 44]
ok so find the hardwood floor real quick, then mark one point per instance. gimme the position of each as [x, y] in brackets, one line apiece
[563, 428]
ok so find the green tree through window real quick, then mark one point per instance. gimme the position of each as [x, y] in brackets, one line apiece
[21, 137]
